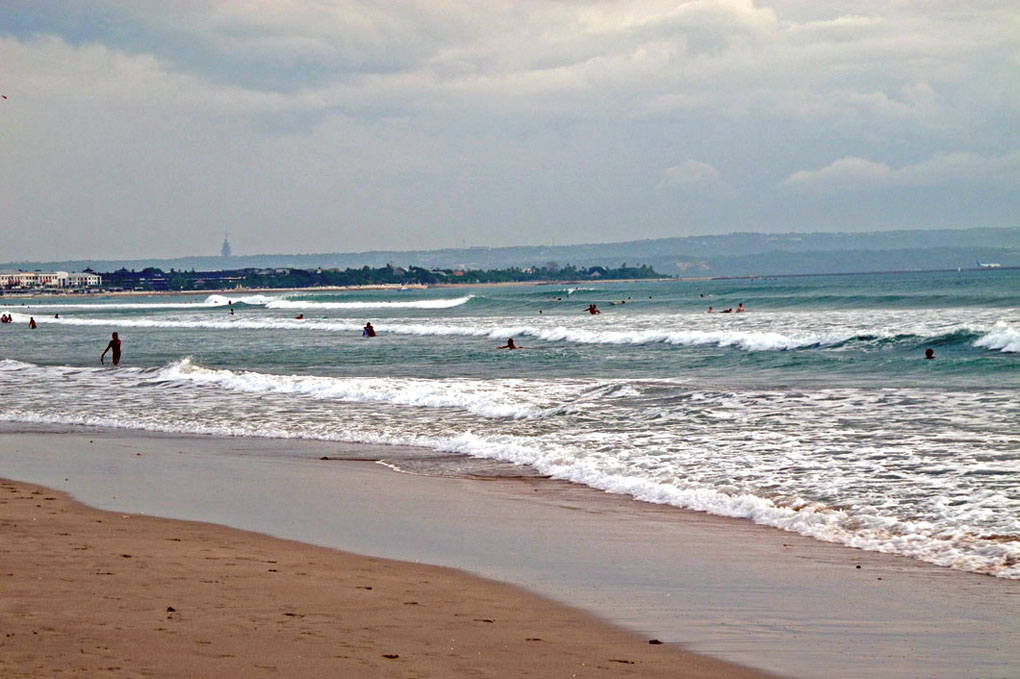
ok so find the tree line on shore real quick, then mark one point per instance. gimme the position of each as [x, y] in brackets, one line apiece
[155, 279]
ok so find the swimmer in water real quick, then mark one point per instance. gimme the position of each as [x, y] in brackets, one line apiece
[929, 354]
[510, 345]
[592, 309]
[368, 331]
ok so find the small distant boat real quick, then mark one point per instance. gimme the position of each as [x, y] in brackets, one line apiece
[988, 265]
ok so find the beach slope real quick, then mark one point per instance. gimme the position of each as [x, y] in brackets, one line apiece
[95, 593]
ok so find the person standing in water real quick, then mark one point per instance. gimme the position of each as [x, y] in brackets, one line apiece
[368, 330]
[113, 346]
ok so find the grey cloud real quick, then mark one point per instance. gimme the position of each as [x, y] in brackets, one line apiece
[361, 124]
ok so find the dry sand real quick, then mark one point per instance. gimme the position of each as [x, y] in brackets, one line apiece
[94, 593]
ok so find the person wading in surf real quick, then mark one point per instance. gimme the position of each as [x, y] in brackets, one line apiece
[113, 346]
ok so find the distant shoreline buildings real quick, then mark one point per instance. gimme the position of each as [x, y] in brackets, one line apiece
[61, 280]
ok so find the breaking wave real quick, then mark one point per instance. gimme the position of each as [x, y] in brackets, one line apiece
[212, 301]
[419, 304]
[1001, 337]
[486, 398]
[545, 424]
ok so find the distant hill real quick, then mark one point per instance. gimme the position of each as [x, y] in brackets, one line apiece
[735, 254]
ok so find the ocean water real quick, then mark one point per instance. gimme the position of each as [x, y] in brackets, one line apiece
[815, 411]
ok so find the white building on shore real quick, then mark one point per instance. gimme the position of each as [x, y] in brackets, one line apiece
[21, 280]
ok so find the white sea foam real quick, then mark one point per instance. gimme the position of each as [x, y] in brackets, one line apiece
[503, 399]
[13, 364]
[363, 304]
[870, 531]
[251, 300]
[753, 332]
[865, 529]
[573, 331]
[211, 301]
[1001, 337]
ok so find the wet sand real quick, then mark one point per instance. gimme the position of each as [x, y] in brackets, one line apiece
[721, 587]
[120, 595]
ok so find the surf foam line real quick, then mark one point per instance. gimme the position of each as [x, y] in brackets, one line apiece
[1000, 338]
[210, 302]
[487, 398]
[748, 340]
[491, 399]
[867, 531]
[419, 304]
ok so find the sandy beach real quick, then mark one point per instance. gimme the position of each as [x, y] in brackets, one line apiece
[121, 595]
[724, 588]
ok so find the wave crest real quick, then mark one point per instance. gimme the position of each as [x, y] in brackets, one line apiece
[481, 397]
[1002, 338]
[419, 304]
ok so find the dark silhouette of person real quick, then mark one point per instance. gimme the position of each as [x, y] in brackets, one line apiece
[592, 309]
[31, 322]
[114, 347]
[368, 331]
[929, 354]
[510, 345]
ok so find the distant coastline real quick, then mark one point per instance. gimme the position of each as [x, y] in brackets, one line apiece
[729, 255]
[397, 287]
[899, 272]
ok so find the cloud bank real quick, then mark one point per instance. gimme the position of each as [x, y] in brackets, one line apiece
[151, 128]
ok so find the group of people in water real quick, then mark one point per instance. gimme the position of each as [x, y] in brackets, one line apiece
[7, 318]
[740, 308]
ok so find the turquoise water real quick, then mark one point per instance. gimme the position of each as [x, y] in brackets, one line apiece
[815, 411]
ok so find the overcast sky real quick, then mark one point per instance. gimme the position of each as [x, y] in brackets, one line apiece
[148, 129]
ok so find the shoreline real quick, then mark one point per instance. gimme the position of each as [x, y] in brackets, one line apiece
[724, 587]
[143, 596]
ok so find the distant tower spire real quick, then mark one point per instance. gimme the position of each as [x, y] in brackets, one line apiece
[225, 250]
